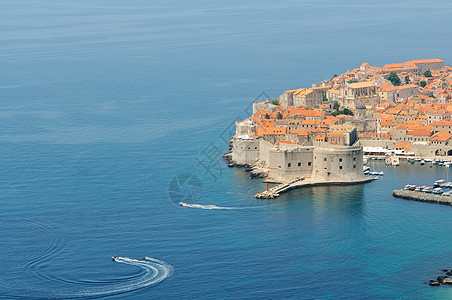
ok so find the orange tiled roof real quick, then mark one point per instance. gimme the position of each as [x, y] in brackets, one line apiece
[440, 136]
[418, 132]
[407, 146]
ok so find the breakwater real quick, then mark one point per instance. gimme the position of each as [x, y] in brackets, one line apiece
[422, 197]
[300, 183]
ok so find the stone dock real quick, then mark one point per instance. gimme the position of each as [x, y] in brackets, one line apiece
[276, 191]
[423, 197]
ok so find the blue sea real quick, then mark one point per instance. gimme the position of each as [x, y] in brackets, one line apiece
[113, 111]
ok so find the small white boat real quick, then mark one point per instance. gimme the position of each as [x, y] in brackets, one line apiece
[381, 173]
[438, 191]
[439, 182]
[427, 189]
[422, 162]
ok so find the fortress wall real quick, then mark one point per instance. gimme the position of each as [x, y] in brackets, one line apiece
[429, 66]
[264, 150]
[264, 105]
[286, 99]
[288, 164]
[338, 164]
[245, 151]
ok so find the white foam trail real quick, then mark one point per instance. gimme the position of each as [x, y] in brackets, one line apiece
[214, 206]
[155, 271]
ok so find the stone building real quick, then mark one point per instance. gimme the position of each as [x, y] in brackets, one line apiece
[388, 92]
[364, 92]
[310, 97]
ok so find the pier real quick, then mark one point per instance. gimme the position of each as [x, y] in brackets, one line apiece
[422, 197]
[303, 182]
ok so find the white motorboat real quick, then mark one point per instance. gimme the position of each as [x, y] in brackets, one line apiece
[438, 191]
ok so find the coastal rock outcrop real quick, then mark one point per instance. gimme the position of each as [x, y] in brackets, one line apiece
[434, 283]
[443, 279]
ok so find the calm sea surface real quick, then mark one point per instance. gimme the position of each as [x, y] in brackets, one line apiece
[103, 103]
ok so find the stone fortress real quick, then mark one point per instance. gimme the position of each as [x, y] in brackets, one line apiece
[318, 133]
[338, 161]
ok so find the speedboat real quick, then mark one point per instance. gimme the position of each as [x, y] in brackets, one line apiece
[427, 189]
[439, 182]
[114, 258]
[183, 204]
[410, 187]
[438, 191]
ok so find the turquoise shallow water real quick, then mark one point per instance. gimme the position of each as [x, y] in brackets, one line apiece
[104, 103]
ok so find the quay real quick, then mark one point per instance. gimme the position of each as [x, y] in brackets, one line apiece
[276, 191]
[422, 197]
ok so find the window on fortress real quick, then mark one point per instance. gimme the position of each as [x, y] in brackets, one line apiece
[299, 164]
[289, 164]
[340, 159]
[354, 158]
[309, 163]
[340, 167]
[324, 159]
[354, 166]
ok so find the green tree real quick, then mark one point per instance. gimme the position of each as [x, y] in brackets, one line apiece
[407, 80]
[423, 83]
[325, 99]
[275, 102]
[352, 81]
[335, 75]
[428, 73]
[279, 116]
[394, 78]
[336, 106]
[345, 111]
[267, 116]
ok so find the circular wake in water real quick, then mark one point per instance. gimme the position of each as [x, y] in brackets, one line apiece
[153, 271]
[33, 271]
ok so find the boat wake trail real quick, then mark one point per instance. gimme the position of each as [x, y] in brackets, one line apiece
[155, 271]
[152, 272]
[213, 206]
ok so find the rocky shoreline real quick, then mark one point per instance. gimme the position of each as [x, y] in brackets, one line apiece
[257, 170]
[422, 197]
[442, 279]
